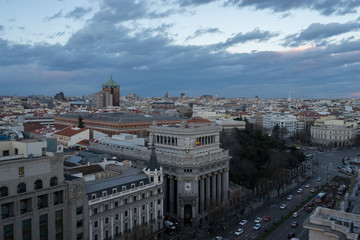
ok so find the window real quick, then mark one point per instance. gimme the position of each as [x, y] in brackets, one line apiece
[58, 197]
[125, 201]
[114, 190]
[135, 210]
[79, 210]
[134, 199]
[159, 191]
[79, 223]
[26, 229]
[116, 216]
[151, 204]
[141, 183]
[42, 201]
[104, 193]
[8, 232]
[116, 204]
[59, 225]
[143, 195]
[21, 188]
[53, 181]
[96, 224]
[159, 201]
[6, 153]
[133, 185]
[79, 236]
[43, 224]
[106, 220]
[126, 213]
[25, 205]
[106, 207]
[3, 191]
[38, 184]
[123, 188]
[95, 210]
[143, 207]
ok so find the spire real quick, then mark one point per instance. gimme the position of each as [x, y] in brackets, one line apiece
[153, 164]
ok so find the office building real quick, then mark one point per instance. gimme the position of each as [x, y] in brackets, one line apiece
[114, 89]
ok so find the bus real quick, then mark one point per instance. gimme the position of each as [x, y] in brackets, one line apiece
[320, 197]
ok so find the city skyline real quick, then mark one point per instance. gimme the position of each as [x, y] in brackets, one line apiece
[230, 48]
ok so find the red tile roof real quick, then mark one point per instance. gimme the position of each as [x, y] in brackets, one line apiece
[29, 127]
[69, 132]
[84, 142]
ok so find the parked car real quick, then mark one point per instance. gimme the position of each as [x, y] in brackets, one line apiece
[291, 235]
[318, 179]
[243, 222]
[309, 209]
[312, 190]
[310, 204]
[295, 215]
[290, 197]
[258, 219]
[283, 206]
[294, 224]
[299, 190]
[257, 226]
[239, 231]
[307, 185]
[267, 218]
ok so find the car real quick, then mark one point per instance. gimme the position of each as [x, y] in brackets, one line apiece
[312, 190]
[299, 190]
[257, 226]
[218, 238]
[310, 204]
[295, 214]
[258, 219]
[294, 224]
[309, 209]
[318, 179]
[291, 235]
[307, 185]
[290, 197]
[283, 206]
[243, 222]
[267, 218]
[239, 231]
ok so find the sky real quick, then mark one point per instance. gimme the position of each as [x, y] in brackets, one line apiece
[225, 48]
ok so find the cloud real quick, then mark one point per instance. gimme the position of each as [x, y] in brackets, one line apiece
[78, 13]
[318, 32]
[2, 28]
[201, 32]
[325, 7]
[141, 68]
[12, 19]
[255, 35]
[55, 16]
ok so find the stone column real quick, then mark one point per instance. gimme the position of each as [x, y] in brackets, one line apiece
[218, 189]
[207, 202]
[122, 223]
[225, 185]
[90, 230]
[213, 188]
[101, 228]
[202, 195]
[166, 197]
[112, 225]
[171, 190]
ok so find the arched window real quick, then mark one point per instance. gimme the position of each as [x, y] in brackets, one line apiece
[3, 191]
[53, 181]
[38, 184]
[21, 188]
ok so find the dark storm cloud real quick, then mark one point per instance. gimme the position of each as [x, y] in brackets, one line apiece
[55, 16]
[104, 47]
[318, 32]
[78, 13]
[255, 35]
[201, 32]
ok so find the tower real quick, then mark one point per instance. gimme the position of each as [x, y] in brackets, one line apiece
[114, 89]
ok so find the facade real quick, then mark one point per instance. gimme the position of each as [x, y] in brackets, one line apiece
[334, 133]
[42, 118]
[196, 169]
[23, 148]
[37, 202]
[282, 120]
[104, 99]
[115, 123]
[114, 89]
[328, 224]
[124, 202]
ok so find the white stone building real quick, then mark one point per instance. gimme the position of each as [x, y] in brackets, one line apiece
[282, 120]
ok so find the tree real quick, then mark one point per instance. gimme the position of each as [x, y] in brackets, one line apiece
[276, 132]
[80, 122]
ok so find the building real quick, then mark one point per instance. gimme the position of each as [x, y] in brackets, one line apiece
[196, 176]
[196, 169]
[123, 201]
[104, 99]
[114, 89]
[37, 202]
[326, 224]
[69, 137]
[286, 121]
[60, 96]
[334, 133]
[115, 123]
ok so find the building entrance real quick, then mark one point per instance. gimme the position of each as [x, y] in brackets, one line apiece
[187, 214]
